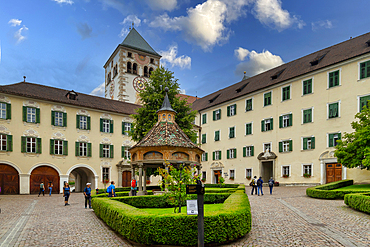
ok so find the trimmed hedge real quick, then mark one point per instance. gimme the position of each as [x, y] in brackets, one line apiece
[212, 190]
[119, 194]
[327, 191]
[359, 202]
[232, 221]
[222, 186]
[121, 189]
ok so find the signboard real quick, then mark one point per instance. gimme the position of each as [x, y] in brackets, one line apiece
[197, 189]
[192, 207]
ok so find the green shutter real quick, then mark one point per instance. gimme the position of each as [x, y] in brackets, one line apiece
[228, 154]
[88, 149]
[101, 125]
[281, 122]
[77, 121]
[331, 140]
[204, 138]
[24, 114]
[8, 111]
[64, 119]
[234, 152]
[38, 146]
[252, 150]
[288, 93]
[9, 143]
[123, 152]
[111, 151]
[228, 111]
[77, 148]
[206, 156]
[23, 144]
[213, 153]
[244, 151]
[101, 151]
[52, 151]
[312, 142]
[339, 136]
[280, 147]
[235, 109]
[305, 143]
[290, 145]
[65, 147]
[37, 115]
[272, 123]
[219, 154]
[88, 123]
[290, 119]
[214, 115]
[219, 110]
[110, 126]
[123, 128]
[262, 125]
[52, 117]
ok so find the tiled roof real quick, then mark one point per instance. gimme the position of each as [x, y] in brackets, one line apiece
[40, 92]
[134, 40]
[320, 59]
[188, 98]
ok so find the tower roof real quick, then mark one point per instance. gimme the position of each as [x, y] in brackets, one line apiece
[135, 41]
[166, 105]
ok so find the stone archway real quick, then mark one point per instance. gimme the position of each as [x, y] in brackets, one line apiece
[82, 174]
[45, 174]
[329, 164]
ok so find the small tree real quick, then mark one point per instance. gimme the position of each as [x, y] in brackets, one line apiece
[175, 181]
[354, 148]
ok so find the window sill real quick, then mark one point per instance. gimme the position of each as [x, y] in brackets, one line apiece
[306, 94]
[83, 157]
[266, 105]
[285, 100]
[334, 87]
[332, 118]
[248, 110]
[58, 156]
[307, 123]
[305, 150]
[363, 79]
[248, 134]
[31, 154]
[286, 127]
[286, 152]
[58, 127]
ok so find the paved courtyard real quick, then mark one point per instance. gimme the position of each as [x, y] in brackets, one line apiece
[286, 218]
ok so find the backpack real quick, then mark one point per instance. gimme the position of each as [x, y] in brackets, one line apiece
[253, 182]
[259, 182]
[271, 183]
[109, 189]
[133, 183]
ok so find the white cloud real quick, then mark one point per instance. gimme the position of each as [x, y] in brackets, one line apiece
[15, 22]
[182, 91]
[241, 53]
[128, 22]
[168, 5]
[18, 35]
[257, 62]
[99, 90]
[116, 4]
[184, 62]
[321, 24]
[270, 13]
[64, 1]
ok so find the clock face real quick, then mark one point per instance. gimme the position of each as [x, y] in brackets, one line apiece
[139, 84]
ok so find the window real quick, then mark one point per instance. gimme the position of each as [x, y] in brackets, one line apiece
[83, 149]
[285, 120]
[5, 111]
[307, 86]
[333, 138]
[146, 74]
[150, 71]
[267, 147]
[216, 155]
[364, 101]
[109, 78]
[58, 147]
[83, 122]
[204, 138]
[307, 169]
[308, 143]
[333, 110]
[106, 151]
[286, 171]
[232, 174]
[231, 110]
[106, 125]
[105, 172]
[307, 116]
[248, 129]
[267, 99]
[204, 156]
[365, 70]
[31, 145]
[334, 79]
[204, 175]
[115, 72]
[125, 153]
[248, 173]
[248, 151]
[231, 153]
[231, 132]
[152, 60]
[134, 68]
[217, 135]
[31, 114]
[285, 93]
[248, 105]
[126, 128]
[286, 146]
[217, 115]
[129, 67]
[6, 142]
[267, 125]
[129, 54]
[204, 118]
[58, 119]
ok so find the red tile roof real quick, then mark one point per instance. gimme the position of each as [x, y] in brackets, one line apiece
[188, 98]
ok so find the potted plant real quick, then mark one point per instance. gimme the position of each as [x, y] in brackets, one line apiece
[203, 180]
[231, 178]
[147, 181]
[276, 183]
[307, 175]
[105, 181]
[285, 175]
[248, 177]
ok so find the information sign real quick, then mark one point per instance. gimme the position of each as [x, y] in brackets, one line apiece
[192, 207]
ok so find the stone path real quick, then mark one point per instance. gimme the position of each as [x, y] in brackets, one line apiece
[286, 218]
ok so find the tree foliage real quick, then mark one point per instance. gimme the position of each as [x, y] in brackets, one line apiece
[354, 148]
[152, 98]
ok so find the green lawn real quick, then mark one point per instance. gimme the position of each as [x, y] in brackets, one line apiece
[359, 187]
[164, 211]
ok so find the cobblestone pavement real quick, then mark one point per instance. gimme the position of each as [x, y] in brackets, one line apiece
[286, 218]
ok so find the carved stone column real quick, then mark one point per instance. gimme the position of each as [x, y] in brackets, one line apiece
[144, 190]
[322, 172]
[133, 173]
[119, 169]
[140, 192]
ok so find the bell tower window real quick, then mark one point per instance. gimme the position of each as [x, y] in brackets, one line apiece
[145, 71]
[135, 69]
[129, 67]
[150, 71]
[152, 60]
[129, 54]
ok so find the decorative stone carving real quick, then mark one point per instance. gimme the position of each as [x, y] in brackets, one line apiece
[58, 108]
[105, 164]
[4, 130]
[106, 116]
[266, 156]
[31, 133]
[31, 103]
[58, 136]
[217, 165]
[105, 140]
[5, 99]
[83, 138]
[83, 112]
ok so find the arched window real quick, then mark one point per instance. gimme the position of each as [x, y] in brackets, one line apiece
[108, 77]
[115, 71]
[150, 71]
[135, 69]
[129, 69]
[146, 71]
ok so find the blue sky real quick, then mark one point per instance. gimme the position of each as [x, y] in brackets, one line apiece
[207, 44]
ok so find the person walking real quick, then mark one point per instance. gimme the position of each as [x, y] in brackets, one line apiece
[271, 185]
[133, 186]
[111, 190]
[42, 189]
[254, 185]
[50, 188]
[259, 185]
[87, 193]
[66, 193]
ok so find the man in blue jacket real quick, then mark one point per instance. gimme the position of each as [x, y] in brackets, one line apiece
[259, 186]
[87, 193]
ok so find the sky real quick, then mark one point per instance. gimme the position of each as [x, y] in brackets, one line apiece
[207, 44]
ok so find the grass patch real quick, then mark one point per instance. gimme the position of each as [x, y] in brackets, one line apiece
[355, 187]
[166, 211]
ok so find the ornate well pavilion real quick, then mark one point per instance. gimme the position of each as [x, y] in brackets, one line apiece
[164, 144]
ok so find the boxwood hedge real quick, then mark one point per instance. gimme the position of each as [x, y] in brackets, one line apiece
[359, 202]
[327, 191]
[232, 221]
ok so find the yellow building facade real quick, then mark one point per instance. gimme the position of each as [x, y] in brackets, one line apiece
[284, 123]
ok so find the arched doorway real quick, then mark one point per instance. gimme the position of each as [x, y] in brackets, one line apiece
[81, 175]
[9, 180]
[45, 174]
